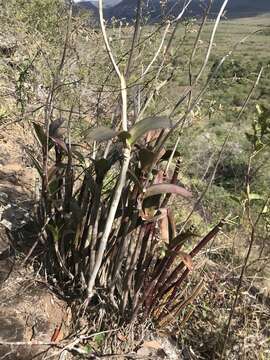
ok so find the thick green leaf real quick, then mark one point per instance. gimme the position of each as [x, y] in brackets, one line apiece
[149, 124]
[166, 188]
[253, 196]
[101, 133]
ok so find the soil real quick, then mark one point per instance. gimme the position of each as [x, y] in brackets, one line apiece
[28, 310]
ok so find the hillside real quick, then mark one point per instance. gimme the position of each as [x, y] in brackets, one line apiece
[235, 9]
[134, 189]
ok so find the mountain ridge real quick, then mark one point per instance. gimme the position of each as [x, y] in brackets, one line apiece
[127, 8]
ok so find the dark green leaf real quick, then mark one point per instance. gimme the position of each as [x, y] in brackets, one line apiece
[56, 130]
[135, 180]
[40, 134]
[79, 156]
[35, 162]
[236, 199]
[54, 230]
[146, 158]
[102, 166]
[54, 186]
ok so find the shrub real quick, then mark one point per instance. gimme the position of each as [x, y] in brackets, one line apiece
[143, 263]
[232, 70]
[104, 218]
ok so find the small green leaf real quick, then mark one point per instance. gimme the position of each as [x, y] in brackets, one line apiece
[258, 145]
[99, 339]
[251, 138]
[54, 186]
[166, 188]
[88, 349]
[253, 196]
[149, 124]
[54, 231]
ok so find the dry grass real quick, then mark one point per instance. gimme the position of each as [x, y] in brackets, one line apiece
[204, 331]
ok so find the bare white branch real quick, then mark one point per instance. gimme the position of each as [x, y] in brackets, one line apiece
[116, 67]
[123, 173]
[212, 39]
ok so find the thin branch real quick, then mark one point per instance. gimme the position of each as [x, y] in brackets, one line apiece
[136, 35]
[116, 67]
[211, 40]
[158, 51]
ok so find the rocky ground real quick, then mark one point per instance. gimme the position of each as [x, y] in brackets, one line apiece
[28, 311]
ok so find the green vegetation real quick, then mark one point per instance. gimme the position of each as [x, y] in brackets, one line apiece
[121, 146]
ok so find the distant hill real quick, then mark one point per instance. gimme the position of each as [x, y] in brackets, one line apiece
[235, 8]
